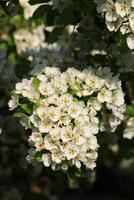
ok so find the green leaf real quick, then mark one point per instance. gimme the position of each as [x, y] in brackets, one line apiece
[23, 119]
[26, 108]
[19, 115]
[36, 83]
[130, 110]
[33, 2]
[50, 18]
[17, 21]
[41, 11]
[38, 156]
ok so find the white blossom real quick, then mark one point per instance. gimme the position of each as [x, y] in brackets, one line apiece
[104, 95]
[119, 15]
[13, 103]
[129, 130]
[64, 123]
[46, 158]
[130, 41]
[123, 7]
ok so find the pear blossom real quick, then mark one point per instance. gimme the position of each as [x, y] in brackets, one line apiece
[123, 7]
[129, 130]
[13, 103]
[119, 15]
[46, 158]
[71, 150]
[74, 110]
[65, 110]
[46, 88]
[66, 133]
[104, 95]
[130, 41]
[131, 21]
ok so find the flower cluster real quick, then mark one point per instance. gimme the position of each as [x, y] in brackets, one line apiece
[27, 41]
[119, 15]
[67, 110]
[129, 131]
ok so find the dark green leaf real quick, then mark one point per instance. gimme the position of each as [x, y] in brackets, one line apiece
[26, 108]
[50, 18]
[41, 11]
[66, 17]
[54, 35]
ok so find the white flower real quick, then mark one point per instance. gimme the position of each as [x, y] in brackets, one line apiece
[46, 158]
[60, 84]
[90, 164]
[81, 120]
[130, 121]
[66, 100]
[94, 127]
[114, 26]
[41, 112]
[34, 119]
[44, 103]
[40, 145]
[42, 78]
[132, 3]
[74, 110]
[71, 151]
[77, 163]
[49, 143]
[57, 155]
[93, 82]
[26, 41]
[95, 104]
[91, 143]
[27, 90]
[125, 28]
[45, 125]
[55, 133]
[77, 138]
[51, 71]
[64, 120]
[46, 89]
[111, 14]
[66, 133]
[54, 99]
[129, 131]
[104, 95]
[84, 130]
[118, 98]
[130, 41]
[54, 113]
[21, 85]
[35, 137]
[131, 21]
[13, 103]
[122, 7]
